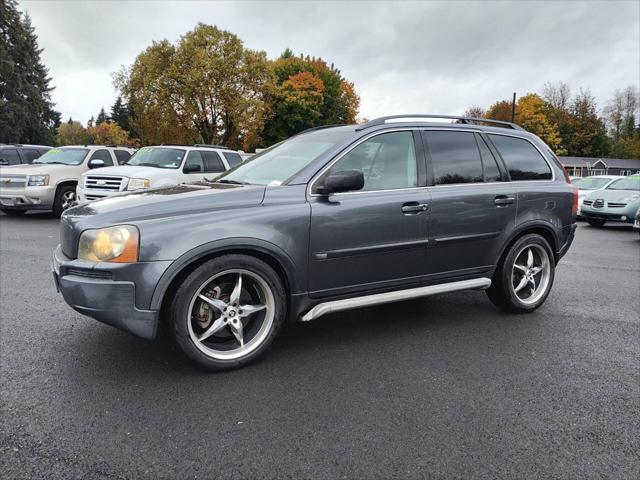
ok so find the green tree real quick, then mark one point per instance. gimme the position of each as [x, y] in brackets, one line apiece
[102, 117]
[620, 115]
[120, 114]
[26, 109]
[72, 133]
[585, 133]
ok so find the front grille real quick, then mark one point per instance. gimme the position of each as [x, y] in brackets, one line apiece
[12, 181]
[588, 202]
[599, 203]
[103, 182]
[616, 205]
[83, 272]
[94, 197]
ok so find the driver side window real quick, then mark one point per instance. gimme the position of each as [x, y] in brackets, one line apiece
[387, 161]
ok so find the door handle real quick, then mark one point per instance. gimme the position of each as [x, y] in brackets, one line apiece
[415, 207]
[504, 200]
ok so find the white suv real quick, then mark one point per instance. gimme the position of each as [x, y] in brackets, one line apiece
[49, 183]
[155, 167]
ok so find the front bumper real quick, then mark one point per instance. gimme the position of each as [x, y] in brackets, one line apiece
[115, 294]
[624, 215]
[28, 198]
[85, 195]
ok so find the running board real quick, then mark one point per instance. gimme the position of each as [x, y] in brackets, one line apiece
[396, 296]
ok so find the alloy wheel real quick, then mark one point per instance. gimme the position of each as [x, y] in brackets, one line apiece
[531, 273]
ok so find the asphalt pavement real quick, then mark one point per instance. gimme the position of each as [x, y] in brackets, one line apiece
[442, 387]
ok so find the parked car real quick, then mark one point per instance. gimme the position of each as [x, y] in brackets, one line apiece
[329, 220]
[49, 183]
[18, 154]
[636, 222]
[618, 202]
[587, 185]
[155, 167]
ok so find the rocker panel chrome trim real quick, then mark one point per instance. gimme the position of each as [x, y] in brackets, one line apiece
[395, 296]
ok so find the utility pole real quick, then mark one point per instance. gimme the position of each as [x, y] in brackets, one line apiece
[513, 108]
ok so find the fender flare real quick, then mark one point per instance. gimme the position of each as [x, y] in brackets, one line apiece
[533, 224]
[221, 246]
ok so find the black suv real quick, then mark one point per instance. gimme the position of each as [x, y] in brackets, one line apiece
[17, 154]
[332, 219]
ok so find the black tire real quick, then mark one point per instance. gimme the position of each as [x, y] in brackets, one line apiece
[596, 222]
[180, 314]
[59, 205]
[13, 212]
[501, 292]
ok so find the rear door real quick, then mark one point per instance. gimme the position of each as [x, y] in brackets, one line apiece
[213, 164]
[473, 207]
[375, 237]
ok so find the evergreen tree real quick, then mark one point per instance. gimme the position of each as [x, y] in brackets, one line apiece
[91, 122]
[26, 109]
[102, 117]
[120, 114]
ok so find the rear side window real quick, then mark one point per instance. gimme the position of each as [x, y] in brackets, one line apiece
[122, 156]
[523, 160]
[104, 156]
[489, 164]
[9, 156]
[455, 157]
[232, 158]
[29, 154]
[212, 161]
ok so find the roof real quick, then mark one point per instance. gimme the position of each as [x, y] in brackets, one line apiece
[631, 163]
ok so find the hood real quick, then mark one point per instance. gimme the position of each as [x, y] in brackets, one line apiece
[613, 195]
[161, 203]
[33, 169]
[131, 171]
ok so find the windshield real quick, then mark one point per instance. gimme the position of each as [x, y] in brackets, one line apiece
[283, 160]
[157, 157]
[63, 156]
[629, 183]
[592, 183]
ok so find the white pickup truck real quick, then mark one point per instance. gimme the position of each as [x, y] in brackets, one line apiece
[159, 166]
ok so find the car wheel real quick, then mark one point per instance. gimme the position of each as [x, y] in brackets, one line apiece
[596, 222]
[65, 198]
[228, 311]
[524, 276]
[13, 212]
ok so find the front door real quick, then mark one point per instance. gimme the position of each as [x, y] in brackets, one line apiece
[375, 237]
[473, 207]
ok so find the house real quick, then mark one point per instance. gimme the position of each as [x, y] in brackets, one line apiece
[585, 166]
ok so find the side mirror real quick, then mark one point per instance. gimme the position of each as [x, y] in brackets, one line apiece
[3, 161]
[96, 163]
[343, 181]
[191, 167]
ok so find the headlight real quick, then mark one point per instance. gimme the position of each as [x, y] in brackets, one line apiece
[138, 183]
[113, 244]
[38, 181]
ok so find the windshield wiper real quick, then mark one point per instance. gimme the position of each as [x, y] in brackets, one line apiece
[233, 182]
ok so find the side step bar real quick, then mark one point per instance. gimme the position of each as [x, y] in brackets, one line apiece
[396, 296]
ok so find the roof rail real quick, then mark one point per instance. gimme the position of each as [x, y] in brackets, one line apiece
[321, 127]
[210, 146]
[465, 120]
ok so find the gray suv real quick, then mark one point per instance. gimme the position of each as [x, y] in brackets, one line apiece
[332, 219]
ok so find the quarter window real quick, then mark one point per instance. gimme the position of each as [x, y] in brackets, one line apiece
[104, 156]
[455, 157]
[523, 160]
[9, 156]
[30, 155]
[122, 156]
[232, 158]
[388, 161]
[212, 162]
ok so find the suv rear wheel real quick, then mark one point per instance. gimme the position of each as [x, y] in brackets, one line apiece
[524, 275]
[228, 311]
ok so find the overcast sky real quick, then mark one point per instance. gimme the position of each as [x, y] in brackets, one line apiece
[404, 57]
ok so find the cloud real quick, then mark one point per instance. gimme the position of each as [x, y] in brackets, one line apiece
[413, 57]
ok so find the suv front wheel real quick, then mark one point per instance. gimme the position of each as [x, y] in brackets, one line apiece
[524, 275]
[65, 198]
[228, 311]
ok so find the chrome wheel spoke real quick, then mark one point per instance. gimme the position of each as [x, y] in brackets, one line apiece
[521, 285]
[237, 290]
[520, 267]
[530, 258]
[237, 329]
[536, 270]
[246, 310]
[532, 281]
[216, 326]
[214, 302]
